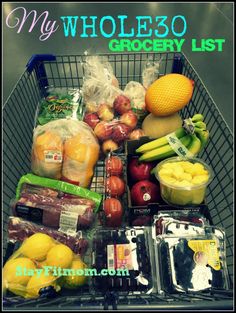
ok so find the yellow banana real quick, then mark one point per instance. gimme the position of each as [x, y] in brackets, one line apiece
[203, 135]
[164, 151]
[160, 142]
[195, 145]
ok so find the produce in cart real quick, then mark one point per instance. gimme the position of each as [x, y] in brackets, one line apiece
[183, 181]
[169, 94]
[35, 266]
[159, 126]
[58, 104]
[100, 85]
[66, 150]
[186, 141]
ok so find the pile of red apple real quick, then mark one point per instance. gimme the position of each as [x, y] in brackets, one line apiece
[115, 188]
[143, 190]
[112, 126]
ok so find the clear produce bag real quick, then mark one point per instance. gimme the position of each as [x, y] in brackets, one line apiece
[65, 149]
[33, 269]
[100, 85]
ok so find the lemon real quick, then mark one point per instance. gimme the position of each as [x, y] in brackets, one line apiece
[14, 266]
[41, 264]
[37, 282]
[37, 246]
[72, 282]
[168, 94]
[60, 256]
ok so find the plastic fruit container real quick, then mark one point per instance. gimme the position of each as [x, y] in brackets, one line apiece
[183, 181]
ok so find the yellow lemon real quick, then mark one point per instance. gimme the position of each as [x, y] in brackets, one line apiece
[168, 94]
[75, 281]
[14, 269]
[37, 282]
[37, 246]
[60, 256]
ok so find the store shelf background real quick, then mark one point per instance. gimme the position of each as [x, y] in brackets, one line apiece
[205, 20]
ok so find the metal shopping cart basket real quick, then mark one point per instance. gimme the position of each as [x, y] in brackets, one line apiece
[18, 123]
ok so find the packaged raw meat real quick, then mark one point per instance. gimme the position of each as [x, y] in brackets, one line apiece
[32, 184]
[67, 215]
[33, 269]
[55, 204]
[20, 229]
[59, 103]
[65, 149]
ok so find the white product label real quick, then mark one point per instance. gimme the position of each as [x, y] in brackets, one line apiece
[110, 257]
[52, 156]
[68, 222]
[146, 197]
[177, 146]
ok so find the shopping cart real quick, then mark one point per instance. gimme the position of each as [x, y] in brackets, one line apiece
[18, 123]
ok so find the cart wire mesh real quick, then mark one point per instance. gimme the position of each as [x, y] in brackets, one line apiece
[67, 71]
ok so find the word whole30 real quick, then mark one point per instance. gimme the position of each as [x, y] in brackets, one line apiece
[144, 33]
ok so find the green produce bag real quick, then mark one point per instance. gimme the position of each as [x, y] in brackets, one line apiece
[58, 104]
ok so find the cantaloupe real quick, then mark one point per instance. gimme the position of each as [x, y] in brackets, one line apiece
[156, 127]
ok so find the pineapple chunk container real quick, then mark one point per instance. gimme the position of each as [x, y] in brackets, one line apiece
[183, 181]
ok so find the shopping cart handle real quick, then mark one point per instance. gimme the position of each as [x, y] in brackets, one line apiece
[36, 58]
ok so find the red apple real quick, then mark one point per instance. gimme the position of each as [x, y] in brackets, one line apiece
[130, 119]
[91, 119]
[140, 170]
[122, 104]
[105, 113]
[136, 134]
[109, 145]
[113, 212]
[120, 133]
[145, 192]
[114, 166]
[103, 130]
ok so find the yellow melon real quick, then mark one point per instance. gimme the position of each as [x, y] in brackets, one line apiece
[168, 94]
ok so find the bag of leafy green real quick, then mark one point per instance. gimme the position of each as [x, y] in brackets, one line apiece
[60, 103]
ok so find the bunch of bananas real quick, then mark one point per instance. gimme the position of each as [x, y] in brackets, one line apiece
[194, 139]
